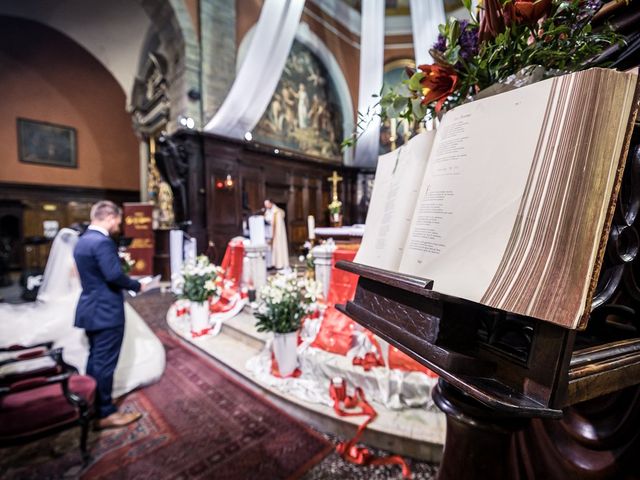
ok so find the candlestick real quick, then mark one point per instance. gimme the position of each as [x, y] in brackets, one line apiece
[311, 226]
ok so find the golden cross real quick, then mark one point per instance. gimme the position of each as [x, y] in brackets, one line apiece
[334, 179]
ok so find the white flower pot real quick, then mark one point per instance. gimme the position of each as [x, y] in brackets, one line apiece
[199, 312]
[285, 347]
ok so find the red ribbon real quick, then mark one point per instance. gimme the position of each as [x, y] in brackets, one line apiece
[201, 333]
[369, 361]
[349, 450]
[275, 371]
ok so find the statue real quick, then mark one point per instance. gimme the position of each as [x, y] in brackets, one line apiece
[172, 162]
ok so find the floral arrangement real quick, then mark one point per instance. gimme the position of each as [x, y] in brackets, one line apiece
[201, 279]
[505, 38]
[126, 261]
[284, 301]
[307, 256]
[335, 207]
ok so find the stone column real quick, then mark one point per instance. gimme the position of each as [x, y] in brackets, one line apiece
[218, 34]
[255, 256]
[322, 259]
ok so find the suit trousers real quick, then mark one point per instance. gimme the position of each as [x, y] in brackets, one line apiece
[104, 350]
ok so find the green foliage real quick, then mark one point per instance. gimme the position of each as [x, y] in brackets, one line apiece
[201, 280]
[194, 289]
[284, 302]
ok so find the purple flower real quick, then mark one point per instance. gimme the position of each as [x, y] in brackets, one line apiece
[441, 44]
[468, 41]
[587, 9]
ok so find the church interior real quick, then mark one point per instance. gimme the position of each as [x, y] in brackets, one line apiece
[353, 239]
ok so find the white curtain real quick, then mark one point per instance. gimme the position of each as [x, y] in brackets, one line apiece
[426, 15]
[371, 72]
[260, 71]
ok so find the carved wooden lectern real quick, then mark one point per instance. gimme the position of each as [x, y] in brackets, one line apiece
[527, 399]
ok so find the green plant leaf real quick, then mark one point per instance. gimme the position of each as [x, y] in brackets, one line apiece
[414, 81]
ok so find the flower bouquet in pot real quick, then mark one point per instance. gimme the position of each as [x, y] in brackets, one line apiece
[201, 283]
[126, 262]
[284, 302]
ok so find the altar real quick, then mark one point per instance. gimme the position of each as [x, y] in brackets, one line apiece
[344, 234]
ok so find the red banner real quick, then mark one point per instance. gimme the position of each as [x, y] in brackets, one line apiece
[137, 226]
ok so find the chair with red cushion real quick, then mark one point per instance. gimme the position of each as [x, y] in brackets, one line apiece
[41, 395]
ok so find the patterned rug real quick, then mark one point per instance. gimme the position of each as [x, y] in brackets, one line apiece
[198, 423]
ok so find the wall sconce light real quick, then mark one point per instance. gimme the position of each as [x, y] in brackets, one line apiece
[248, 136]
[187, 122]
[226, 184]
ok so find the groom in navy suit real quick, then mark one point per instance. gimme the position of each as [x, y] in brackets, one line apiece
[100, 310]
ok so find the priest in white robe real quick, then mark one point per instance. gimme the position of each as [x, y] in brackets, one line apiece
[274, 218]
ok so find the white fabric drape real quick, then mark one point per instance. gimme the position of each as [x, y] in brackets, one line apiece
[425, 18]
[371, 73]
[260, 71]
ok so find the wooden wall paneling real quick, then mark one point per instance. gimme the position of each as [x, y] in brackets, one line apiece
[223, 205]
[11, 230]
[294, 182]
[320, 205]
[297, 212]
[326, 199]
[252, 190]
[66, 205]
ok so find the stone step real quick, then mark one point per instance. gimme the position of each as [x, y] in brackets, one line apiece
[242, 328]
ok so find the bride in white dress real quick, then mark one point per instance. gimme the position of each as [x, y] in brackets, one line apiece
[51, 318]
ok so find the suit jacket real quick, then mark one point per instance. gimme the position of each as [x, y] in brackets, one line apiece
[101, 303]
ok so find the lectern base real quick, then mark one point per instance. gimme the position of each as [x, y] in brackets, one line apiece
[478, 442]
[596, 440]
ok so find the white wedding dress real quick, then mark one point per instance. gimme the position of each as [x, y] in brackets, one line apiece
[51, 318]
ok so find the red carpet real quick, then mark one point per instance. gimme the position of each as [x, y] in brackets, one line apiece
[198, 423]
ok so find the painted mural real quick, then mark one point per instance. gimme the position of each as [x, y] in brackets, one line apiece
[304, 113]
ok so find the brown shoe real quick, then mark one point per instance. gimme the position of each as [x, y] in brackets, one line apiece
[117, 420]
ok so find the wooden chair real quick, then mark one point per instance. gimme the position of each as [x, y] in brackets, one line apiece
[41, 395]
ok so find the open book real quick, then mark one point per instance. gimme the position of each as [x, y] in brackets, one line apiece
[510, 202]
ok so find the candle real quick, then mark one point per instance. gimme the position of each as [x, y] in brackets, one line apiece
[311, 226]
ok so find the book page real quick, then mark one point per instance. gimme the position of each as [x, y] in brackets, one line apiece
[472, 190]
[397, 183]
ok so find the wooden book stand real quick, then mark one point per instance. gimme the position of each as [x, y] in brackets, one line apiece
[526, 398]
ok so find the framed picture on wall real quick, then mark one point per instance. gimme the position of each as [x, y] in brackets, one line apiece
[47, 143]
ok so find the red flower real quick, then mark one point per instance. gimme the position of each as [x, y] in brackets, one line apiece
[526, 12]
[437, 84]
[491, 20]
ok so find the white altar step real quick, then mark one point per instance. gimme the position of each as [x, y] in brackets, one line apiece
[415, 432]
